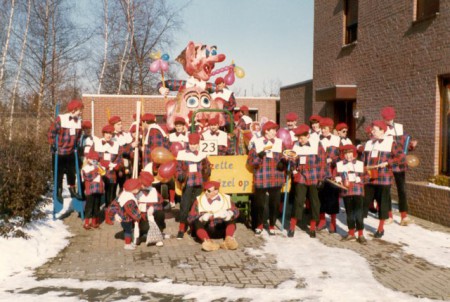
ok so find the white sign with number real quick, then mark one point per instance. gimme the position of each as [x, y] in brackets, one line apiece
[209, 147]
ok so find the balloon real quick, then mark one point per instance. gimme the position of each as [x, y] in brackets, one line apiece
[164, 65]
[154, 67]
[229, 78]
[412, 160]
[155, 55]
[167, 170]
[161, 155]
[285, 136]
[165, 57]
[175, 148]
[239, 72]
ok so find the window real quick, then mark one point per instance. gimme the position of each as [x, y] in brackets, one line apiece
[351, 21]
[426, 9]
[444, 166]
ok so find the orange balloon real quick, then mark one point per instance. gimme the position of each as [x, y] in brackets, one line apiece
[412, 161]
[161, 155]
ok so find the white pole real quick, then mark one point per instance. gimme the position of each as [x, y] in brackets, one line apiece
[92, 117]
[136, 139]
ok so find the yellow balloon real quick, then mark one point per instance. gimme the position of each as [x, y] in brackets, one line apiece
[412, 161]
[155, 55]
[239, 72]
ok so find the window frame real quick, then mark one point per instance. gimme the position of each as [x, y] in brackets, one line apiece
[425, 9]
[350, 26]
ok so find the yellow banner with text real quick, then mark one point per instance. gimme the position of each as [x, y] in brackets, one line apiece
[232, 172]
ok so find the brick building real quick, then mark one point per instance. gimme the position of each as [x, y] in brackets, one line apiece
[371, 54]
[97, 107]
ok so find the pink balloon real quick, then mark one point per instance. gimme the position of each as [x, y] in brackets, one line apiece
[285, 136]
[155, 66]
[229, 78]
[168, 169]
[164, 65]
[175, 148]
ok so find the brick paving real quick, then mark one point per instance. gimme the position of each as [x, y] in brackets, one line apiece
[183, 262]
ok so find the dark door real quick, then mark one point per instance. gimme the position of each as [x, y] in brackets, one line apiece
[343, 113]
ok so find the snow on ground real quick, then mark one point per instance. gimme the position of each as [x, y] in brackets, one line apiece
[324, 273]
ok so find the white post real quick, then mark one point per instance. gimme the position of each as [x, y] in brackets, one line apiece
[92, 117]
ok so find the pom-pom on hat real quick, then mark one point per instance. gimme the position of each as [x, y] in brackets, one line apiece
[348, 148]
[301, 130]
[315, 118]
[86, 125]
[93, 155]
[74, 105]
[269, 125]
[132, 184]
[388, 113]
[219, 80]
[148, 117]
[211, 184]
[341, 126]
[380, 124]
[108, 129]
[146, 178]
[214, 121]
[326, 122]
[179, 120]
[194, 138]
[291, 117]
[114, 120]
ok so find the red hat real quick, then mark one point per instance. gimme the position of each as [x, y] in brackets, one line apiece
[380, 124]
[148, 117]
[388, 113]
[179, 120]
[132, 184]
[86, 125]
[302, 129]
[214, 121]
[134, 116]
[133, 128]
[269, 125]
[348, 148]
[244, 108]
[146, 178]
[74, 105]
[326, 122]
[211, 184]
[291, 117]
[93, 155]
[219, 80]
[341, 126]
[114, 120]
[368, 129]
[194, 138]
[315, 118]
[108, 129]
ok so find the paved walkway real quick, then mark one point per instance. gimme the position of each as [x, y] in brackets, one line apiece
[99, 255]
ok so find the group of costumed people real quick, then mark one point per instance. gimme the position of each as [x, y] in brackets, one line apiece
[359, 175]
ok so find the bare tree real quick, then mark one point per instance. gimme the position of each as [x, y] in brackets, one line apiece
[105, 51]
[5, 47]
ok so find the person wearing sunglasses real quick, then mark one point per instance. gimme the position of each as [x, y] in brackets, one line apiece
[342, 132]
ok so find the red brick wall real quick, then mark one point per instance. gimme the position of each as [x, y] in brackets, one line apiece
[125, 105]
[296, 98]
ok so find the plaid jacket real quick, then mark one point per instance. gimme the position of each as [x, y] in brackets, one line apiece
[353, 174]
[93, 182]
[222, 203]
[265, 173]
[129, 208]
[144, 200]
[331, 147]
[154, 139]
[68, 131]
[185, 168]
[115, 161]
[309, 164]
[379, 151]
[400, 139]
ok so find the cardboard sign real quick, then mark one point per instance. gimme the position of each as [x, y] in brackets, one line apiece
[232, 172]
[209, 147]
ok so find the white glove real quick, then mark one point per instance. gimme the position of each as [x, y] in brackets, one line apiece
[205, 217]
[221, 214]
[117, 218]
[164, 91]
[229, 215]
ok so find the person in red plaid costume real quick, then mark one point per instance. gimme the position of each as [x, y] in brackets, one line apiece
[314, 122]
[94, 188]
[150, 203]
[181, 133]
[268, 177]
[129, 212]
[342, 132]
[306, 175]
[213, 213]
[125, 140]
[193, 168]
[380, 154]
[154, 136]
[396, 130]
[329, 194]
[350, 173]
[68, 128]
[227, 98]
[221, 137]
[110, 155]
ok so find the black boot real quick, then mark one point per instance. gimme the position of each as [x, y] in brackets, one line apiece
[59, 195]
[74, 194]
